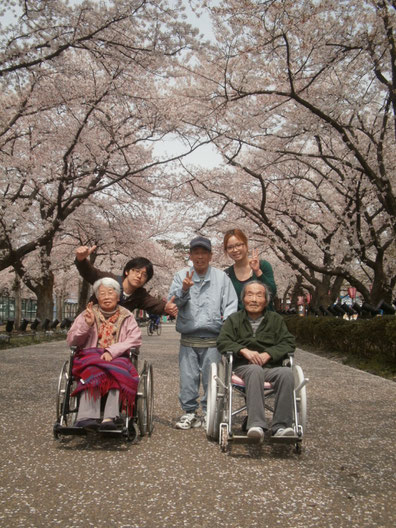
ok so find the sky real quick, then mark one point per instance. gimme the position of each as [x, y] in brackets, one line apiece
[205, 156]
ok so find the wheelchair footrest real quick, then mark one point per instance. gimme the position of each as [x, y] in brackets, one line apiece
[80, 431]
[69, 431]
[285, 439]
[244, 439]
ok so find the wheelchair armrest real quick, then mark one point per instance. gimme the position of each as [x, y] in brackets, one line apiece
[134, 352]
[288, 361]
[73, 353]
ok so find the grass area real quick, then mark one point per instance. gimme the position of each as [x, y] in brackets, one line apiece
[373, 366]
[15, 340]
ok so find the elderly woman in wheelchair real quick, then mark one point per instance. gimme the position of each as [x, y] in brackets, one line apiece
[256, 343]
[103, 333]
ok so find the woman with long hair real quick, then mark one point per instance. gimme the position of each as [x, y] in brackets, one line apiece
[246, 268]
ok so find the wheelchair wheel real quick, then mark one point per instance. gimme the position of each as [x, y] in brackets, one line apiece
[130, 433]
[66, 406]
[145, 402]
[215, 402]
[159, 329]
[223, 438]
[301, 395]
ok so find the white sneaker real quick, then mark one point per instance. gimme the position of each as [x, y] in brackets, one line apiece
[256, 432]
[288, 431]
[187, 421]
[204, 420]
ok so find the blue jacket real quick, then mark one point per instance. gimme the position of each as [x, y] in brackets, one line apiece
[204, 307]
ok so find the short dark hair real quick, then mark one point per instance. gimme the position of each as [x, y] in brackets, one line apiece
[139, 263]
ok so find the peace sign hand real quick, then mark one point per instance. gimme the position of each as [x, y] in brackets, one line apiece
[89, 315]
[188, 282]
[254, 262]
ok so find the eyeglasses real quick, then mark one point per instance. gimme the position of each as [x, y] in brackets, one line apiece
[139, 272]
[235, 246]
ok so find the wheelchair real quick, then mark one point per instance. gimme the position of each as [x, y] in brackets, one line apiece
[140, 423]
[224, 411]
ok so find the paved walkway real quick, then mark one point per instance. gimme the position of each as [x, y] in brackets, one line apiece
[345, 477]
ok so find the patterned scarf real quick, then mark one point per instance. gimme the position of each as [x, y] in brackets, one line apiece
[108, 328]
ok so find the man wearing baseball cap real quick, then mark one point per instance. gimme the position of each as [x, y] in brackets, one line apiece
[205, 297]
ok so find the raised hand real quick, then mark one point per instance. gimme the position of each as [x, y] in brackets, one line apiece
[171, 308]
[188, 282]
[83, 252]
[89, 315]
[254, 262]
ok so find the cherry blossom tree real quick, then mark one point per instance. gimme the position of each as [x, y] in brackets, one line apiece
[82, 104]
[299, 97]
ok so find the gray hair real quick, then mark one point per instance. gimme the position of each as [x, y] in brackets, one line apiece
[266, 289]
[108, 282]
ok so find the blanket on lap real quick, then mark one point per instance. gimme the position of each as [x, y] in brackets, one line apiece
[98, 376]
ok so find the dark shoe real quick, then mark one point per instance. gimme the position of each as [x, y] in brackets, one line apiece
[90, 424]
[119, 421]
[108, 425]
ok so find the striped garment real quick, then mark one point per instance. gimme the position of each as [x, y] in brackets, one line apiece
[99, 376]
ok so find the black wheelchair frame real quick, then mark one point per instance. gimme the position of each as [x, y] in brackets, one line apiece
[140, 423]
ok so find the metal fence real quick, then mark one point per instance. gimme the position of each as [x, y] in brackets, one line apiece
[29, 309]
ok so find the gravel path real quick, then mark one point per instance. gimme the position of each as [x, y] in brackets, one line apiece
[345, 476]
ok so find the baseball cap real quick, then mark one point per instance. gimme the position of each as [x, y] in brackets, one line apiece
[200, 241]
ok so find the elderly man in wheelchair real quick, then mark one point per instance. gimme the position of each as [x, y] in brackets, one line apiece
[256, 343]
[101, 365]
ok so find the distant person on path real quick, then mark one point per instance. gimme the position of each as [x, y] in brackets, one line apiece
[103, 333]
[205, 298]
[245, 268]
[136, 273]
[259, 341]
[154, 322]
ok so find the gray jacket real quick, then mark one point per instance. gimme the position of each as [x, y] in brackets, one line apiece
[204, 307]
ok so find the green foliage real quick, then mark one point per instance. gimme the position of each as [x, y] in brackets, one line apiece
[15, 340]
[365, 343]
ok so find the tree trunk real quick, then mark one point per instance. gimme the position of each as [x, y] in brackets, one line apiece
[45, 301]
[321, 294]
[381, 289]
[16, 288]
[83, 295]
[335, 289]
[297, 290]
[59, 305]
